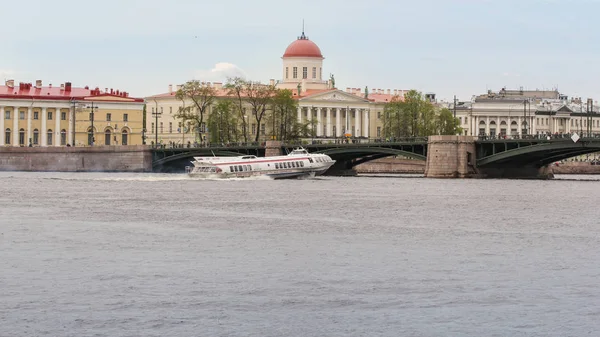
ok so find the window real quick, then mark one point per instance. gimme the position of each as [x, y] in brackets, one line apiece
[36, 115]
[304, 72]
[170, 127]
[170, 109]
[49, 115]
[161, 127]
[91, 116]
[125, 117]
[152, 109]
[253, 128]
[36, 136]
[49, 136]
[108, 117]
[320, 73]
[378, 131]
[262, 129]
[22, 137]
[287, 72]
[63, 116]
[124, 137]
[152, 128]
[7, 137]
[107, 137]
[378, 114]
[161, 109]
[7, 115]
[314, 72]
[295, 72]
[21, 114]
[90, 137]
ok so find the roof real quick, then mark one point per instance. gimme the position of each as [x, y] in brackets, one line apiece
[64, 92]
[303, 47]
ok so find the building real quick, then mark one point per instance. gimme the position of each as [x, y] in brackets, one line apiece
[526, 112]
[37, 115]
[333, 112]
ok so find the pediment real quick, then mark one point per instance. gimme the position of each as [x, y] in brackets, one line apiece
[336, 96]
[564, 108]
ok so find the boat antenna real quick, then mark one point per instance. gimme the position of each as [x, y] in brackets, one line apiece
[211, 151]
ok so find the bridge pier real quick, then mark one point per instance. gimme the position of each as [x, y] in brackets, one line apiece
[451, 157]
[273, 148]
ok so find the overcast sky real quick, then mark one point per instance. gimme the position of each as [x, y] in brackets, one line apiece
[449, 47]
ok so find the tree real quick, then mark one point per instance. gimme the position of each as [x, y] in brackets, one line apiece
[259, 97]
[411, 116]
[201, 95]
[283, 117]
[223, 123]
[447, 124]
[235, 87]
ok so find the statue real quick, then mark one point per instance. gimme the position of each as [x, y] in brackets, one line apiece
[332, 81]
[366, 92]
[299, 88]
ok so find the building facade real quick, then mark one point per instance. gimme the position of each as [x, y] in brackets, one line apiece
[334, 113]
[34, 115]
[517, 113]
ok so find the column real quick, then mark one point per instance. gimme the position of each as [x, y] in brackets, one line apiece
[319, 124]
[357, 122]
[299, 114]
[533, 125]
[43, 133]
[56, 140]
[487, 125]
[15, 126]
[338, 123]
[29, 113]
[2, 128]
[475, 126]
[328, 112]
[71, 123]
[519, 126]
[366, 123]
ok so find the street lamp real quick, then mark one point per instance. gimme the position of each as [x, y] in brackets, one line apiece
[91, 139]
[156, 113]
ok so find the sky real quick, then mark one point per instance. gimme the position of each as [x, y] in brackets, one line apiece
[448, 47]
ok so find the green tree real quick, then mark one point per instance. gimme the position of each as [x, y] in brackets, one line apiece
[259, 96]
[283, 118]
[235, 88]
[447, 124]
[223, 123]
[410, 116]
[202, 96]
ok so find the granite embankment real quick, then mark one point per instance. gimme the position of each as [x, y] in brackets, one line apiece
[408, 166]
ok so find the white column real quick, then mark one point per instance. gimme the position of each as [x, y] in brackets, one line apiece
[357, 122]
[43, 134]
[328, 112]
[29, 113]
[56, 140]
[16, 126]
[487, 125]
[476, 126]
[319, 124]
[71, 123]
[300, 114]
[366, 124]
[338, 123]
[2, 129]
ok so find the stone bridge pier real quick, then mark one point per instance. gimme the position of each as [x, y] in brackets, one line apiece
[451, 157]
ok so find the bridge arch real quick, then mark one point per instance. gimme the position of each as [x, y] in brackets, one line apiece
[539, 154]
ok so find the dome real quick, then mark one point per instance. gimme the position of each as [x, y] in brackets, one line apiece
[303, 47]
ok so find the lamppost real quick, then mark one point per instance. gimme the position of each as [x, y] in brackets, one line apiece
[156, 113]
[91, 139]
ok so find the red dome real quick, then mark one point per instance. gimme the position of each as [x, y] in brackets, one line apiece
[303, 47]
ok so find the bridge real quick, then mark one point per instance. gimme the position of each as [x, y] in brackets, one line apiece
[489, 157]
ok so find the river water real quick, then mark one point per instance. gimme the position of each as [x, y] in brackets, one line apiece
[95, 254]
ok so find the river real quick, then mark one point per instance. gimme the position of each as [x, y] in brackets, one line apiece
[98, 254]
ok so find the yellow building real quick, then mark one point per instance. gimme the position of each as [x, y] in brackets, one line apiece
[34, 115]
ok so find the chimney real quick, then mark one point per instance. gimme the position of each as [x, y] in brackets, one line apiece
[218, 85]
[68, 86]
[38, 84]
[395, 92]
[348, 90]
[389, 92]
[10, 83]
[170, 88]
[62, 86]
[271, 82]
[106, 90]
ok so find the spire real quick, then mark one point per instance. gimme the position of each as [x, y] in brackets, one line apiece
[302, 37]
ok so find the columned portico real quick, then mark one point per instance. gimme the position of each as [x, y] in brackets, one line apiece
[328, 112]
[357, 122]
[366, 123]
[338, 122]
[319, 124]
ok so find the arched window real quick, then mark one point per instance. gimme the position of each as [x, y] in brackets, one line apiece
[90, 136]
[7, 136]
[63, 137]
[124, 137]
[36, 136]
[49, 133]
[107, 135]
[22, 137]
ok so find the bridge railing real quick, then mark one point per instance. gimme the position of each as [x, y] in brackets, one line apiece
[303, 142]
[540, 136]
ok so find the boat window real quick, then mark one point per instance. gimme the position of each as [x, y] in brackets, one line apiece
[310, 160]
[231, 168]
[240, 168]
[276, 165]
[301, 164]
